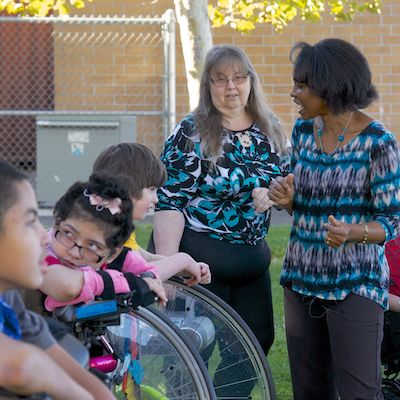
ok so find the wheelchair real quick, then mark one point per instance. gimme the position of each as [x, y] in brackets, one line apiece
[139, 353]
[159, 347]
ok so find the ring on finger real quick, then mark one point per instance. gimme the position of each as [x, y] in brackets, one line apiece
[328, 239]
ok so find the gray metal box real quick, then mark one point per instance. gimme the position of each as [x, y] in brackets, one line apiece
[67, 146]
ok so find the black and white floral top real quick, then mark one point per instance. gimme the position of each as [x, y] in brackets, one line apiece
[218, 200]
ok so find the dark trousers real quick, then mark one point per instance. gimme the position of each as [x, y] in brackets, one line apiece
[239, 276]
[334, 347]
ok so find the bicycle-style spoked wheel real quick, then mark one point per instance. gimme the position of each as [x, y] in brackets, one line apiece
[232, 353]
[160, 363]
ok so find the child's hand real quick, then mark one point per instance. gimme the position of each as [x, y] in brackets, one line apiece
[156, 286]
[200, 273]
[193, 268]
[205, 273]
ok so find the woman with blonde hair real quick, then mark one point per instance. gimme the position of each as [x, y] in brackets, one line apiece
[214, 205]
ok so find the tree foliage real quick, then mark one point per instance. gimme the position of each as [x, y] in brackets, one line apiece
[243, 15]
[41, 8]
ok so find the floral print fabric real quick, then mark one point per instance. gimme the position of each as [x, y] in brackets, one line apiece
[218, 200]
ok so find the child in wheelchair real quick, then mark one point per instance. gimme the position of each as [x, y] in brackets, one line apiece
[92, 220]
[391, 339]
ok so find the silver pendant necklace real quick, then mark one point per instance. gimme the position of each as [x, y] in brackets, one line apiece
[340, 139]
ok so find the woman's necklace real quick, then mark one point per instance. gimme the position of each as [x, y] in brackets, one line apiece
[340, 139]
[244, 138]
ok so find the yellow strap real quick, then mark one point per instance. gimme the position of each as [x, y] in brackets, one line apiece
[132, 243]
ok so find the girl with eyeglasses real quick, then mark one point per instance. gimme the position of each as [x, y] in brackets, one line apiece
[92, 222]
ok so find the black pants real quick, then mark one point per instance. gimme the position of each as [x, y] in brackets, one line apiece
[334, 347]
[241, 278]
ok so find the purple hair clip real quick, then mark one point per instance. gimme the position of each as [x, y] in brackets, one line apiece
[113, 205]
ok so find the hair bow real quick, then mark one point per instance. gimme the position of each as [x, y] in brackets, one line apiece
[113, 205]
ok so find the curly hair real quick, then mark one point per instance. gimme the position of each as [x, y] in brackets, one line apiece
[335, 71]
[75, 204]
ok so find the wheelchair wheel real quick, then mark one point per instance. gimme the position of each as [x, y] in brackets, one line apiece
[157, 361]
[230, 350]
[391, 389]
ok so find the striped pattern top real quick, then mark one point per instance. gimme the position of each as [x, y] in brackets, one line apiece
[358, 183]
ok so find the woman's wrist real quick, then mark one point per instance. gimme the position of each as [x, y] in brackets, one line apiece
[366, 234]
[358, 233]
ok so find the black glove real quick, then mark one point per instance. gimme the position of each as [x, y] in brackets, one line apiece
[141, 293]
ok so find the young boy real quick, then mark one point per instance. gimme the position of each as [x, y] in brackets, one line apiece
[31, 361]
[145, 173]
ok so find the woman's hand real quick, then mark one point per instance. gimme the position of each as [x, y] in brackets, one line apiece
[261, 200]
[281, 191]
[155, 285]
[337, 232]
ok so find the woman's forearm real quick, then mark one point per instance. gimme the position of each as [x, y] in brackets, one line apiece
[372, 232]
[167, 232]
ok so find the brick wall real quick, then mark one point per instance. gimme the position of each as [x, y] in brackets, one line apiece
[378, 37]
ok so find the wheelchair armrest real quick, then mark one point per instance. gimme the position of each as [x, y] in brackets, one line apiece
[95, 310]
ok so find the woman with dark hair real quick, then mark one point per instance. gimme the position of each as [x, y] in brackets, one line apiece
[344, 194]
[220, 161]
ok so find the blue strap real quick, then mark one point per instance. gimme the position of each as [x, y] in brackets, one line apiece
[9, 323]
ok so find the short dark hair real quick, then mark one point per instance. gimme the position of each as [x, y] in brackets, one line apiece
[135, 163]
[336, 71]
[9, 177]
[75, 204]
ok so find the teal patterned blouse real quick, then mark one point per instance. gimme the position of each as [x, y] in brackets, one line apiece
[358, 183]
[218, 201]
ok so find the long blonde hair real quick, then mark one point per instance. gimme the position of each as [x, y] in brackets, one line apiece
[209, 121]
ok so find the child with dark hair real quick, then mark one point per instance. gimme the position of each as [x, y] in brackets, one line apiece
[92, 222]
[144, 173]
[31, 361]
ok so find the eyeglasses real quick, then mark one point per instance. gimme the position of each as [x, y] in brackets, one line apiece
[84, 252]
[237, 80]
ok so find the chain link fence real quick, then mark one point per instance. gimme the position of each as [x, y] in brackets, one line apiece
[84, 65]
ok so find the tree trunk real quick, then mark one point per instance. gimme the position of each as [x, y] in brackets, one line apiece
[196, 39]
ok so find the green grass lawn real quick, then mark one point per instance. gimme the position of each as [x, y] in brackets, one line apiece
[277, 240]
